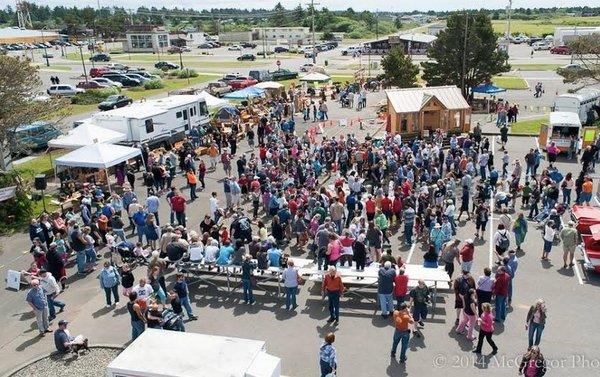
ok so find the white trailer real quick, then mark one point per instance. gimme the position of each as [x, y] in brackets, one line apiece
[158, 122]
[163, 353]
[580, 102]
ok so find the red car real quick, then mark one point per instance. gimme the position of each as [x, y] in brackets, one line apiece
[588, 225]
[241, 83]
[91, 85]
[561, 50]
[99, 71]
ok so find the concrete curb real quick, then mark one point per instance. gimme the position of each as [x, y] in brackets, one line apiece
[510, 134]
[40, 357]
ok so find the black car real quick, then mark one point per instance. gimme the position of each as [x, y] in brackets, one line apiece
[280, 49]
[248, 45]
[126, 81]
[165, 65]
[100, 58]
[243, 57]
[283, 74]
[112, 102]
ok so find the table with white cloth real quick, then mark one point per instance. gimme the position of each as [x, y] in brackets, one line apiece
[369, 277]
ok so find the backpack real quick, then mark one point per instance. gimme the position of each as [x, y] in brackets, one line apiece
[463, 286]
[504, 242]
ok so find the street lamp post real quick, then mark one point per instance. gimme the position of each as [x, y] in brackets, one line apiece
[44, 44]
[180, 60]
[83, 63]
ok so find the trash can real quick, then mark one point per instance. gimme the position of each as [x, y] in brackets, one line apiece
[326, 63]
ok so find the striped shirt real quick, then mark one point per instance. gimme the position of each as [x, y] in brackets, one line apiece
[328, 355]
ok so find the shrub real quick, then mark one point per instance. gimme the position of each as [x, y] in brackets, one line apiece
[186, 73]
[93, 96]
[137, 89]
[154, 84]
[158, 72]
[19, 209]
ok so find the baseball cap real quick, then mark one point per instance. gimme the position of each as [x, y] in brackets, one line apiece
[62, 322]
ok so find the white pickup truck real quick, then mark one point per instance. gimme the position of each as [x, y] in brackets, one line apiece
[351, 50]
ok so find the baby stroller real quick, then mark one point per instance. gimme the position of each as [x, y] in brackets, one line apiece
[345, 101]
[172, 321]
[125, 250]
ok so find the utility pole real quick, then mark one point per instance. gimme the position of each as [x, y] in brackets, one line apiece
[376, 24]
[264, 42]
[83, 63]
[45, 51]
[314, 41]
[509, 11]
[464, 59]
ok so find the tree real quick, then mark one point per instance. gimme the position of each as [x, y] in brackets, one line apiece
[20, 83]
[465, 54]
[327, 36]
[279, 17]
[587, 51]
[299, 15]
[399, 69]
[398, 22]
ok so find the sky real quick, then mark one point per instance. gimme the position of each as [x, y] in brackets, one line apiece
[372, 5]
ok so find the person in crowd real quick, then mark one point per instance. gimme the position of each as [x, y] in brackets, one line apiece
[51, 290]
[334, 289]
[469, 315]
[385, 289]
[37, 299]
[570, 239]
[536, 321]
[533, 363]
[109, 282]
[65, 342]
[328, 356]
[419, 298]
[247, 268]
[183, 295]
[500, 291]
[486, 329]
[402, 322]
[291, 279]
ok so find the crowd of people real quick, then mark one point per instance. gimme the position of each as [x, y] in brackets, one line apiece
[339, 201]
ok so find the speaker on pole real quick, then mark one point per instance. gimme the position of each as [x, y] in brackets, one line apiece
[40, 182]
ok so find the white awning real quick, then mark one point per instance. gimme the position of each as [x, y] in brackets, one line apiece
[564, 118]
[269, 85]
[212, 101]
[97, 156]
[86, 134]
[318, 77]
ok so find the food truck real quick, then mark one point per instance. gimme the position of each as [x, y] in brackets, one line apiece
[562, 126]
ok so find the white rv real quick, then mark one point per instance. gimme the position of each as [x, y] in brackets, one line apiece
[160, 122]
[580, 102]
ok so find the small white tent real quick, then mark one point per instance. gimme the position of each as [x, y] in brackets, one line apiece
[212, 101]
[86, 134]
[269, 85]
[99, 156]
[315, 77]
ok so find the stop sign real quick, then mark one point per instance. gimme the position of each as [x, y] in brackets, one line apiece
[278, 62]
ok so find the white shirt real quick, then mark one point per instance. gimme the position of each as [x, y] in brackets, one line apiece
[210, 253]
[49, 284]
[196, 251]
[214, 205]
[549, 233]
[290, 277]
[143, 292]
[499, 234]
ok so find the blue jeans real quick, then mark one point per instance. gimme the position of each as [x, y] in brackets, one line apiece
[482, 170]
[334, 304]
[172, 217]
[141, 231]
[137, 328]
[500, 308]
[121, 234]
[566, 196]
[90, 256]
[185, 302]
[115, 293]
[399, 336]
[180, 218]
[452, 224]
[290, 297]
[80, 255]
[325, 368]
[247, 285]
[408, 232]
[535, 332]
[51, 304]
[386, 303]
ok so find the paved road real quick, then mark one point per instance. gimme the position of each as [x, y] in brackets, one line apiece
[363, 338]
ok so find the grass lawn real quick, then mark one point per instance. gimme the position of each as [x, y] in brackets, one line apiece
[509, 82]
[528, 126]
[39, 165]
[535, 67]
[543, 26]
[54, 67]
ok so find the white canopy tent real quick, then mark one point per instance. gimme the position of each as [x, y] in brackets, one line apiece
[98, 156]
[212, 101]
[86, 134]
[315, 77]
[269, 85]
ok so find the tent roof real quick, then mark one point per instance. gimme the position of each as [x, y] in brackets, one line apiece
[268, 85]
[212, 101]
[86, 134]
[97, 156]
[411, 100]
[418, 37]
[315, 76]
[564, 117]
[488, 89]
[250, 91]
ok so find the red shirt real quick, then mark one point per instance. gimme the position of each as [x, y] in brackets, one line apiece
[370, 206]
[178, 203]
[262, 152]
[255, 185]
[293, 206]
[386, 204]
[400, 285]
[397, 205]
[466, 253]
[501, 284]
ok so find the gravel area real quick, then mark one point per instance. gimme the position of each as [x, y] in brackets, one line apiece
[91, 363]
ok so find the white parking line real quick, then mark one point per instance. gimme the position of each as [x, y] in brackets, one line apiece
[578, 273]
[410, 253]
[491, 227]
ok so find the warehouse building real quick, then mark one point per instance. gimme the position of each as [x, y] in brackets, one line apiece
[15, 35]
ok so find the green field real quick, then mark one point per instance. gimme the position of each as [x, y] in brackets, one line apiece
[528, 126]
[53, 67]
[535, 67]
[543, 26]
[509, 82]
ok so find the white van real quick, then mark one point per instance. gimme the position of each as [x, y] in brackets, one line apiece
[351, 50]
[63, 90]
[581, 102]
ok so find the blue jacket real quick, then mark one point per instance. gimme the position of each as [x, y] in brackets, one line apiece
[109, 277]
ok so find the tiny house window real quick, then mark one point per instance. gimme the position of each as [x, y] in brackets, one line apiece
[203, 108]
[178, 114]
[185, 114]
[149, 126]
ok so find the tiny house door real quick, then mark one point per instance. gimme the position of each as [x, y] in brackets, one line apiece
[186, 119]
[543, 136]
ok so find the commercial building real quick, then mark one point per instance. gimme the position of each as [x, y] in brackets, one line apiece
[413, 43]
[146, 38]
[16, 35]
[435, 29]
[271, 35]
[421, 111]
[563, 35]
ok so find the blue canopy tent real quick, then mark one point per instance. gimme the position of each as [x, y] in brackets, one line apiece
[245, 93]
[488, 89]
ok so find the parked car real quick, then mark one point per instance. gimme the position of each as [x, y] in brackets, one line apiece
[243, 57]
[117, 67]
[114, 101]
[91, 85]
[350, 50]
[99, 71]
[573, 67]
[280, 49]
[218, 88]
[260, 75]
[309, 55]
[165, 65]
[178, 49]
[143, 73]
[306, 67]
[231, 76]
[561, 50]
[126, 81]
[248, 45]
[135, 76]
[107, 82]
[63, 90]
[101, 57]
[532, 40]
[283, 74]
[47, 56]
[234, 48]
[36, 135]
[242, 82]
[206, 45]
[540, 45]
